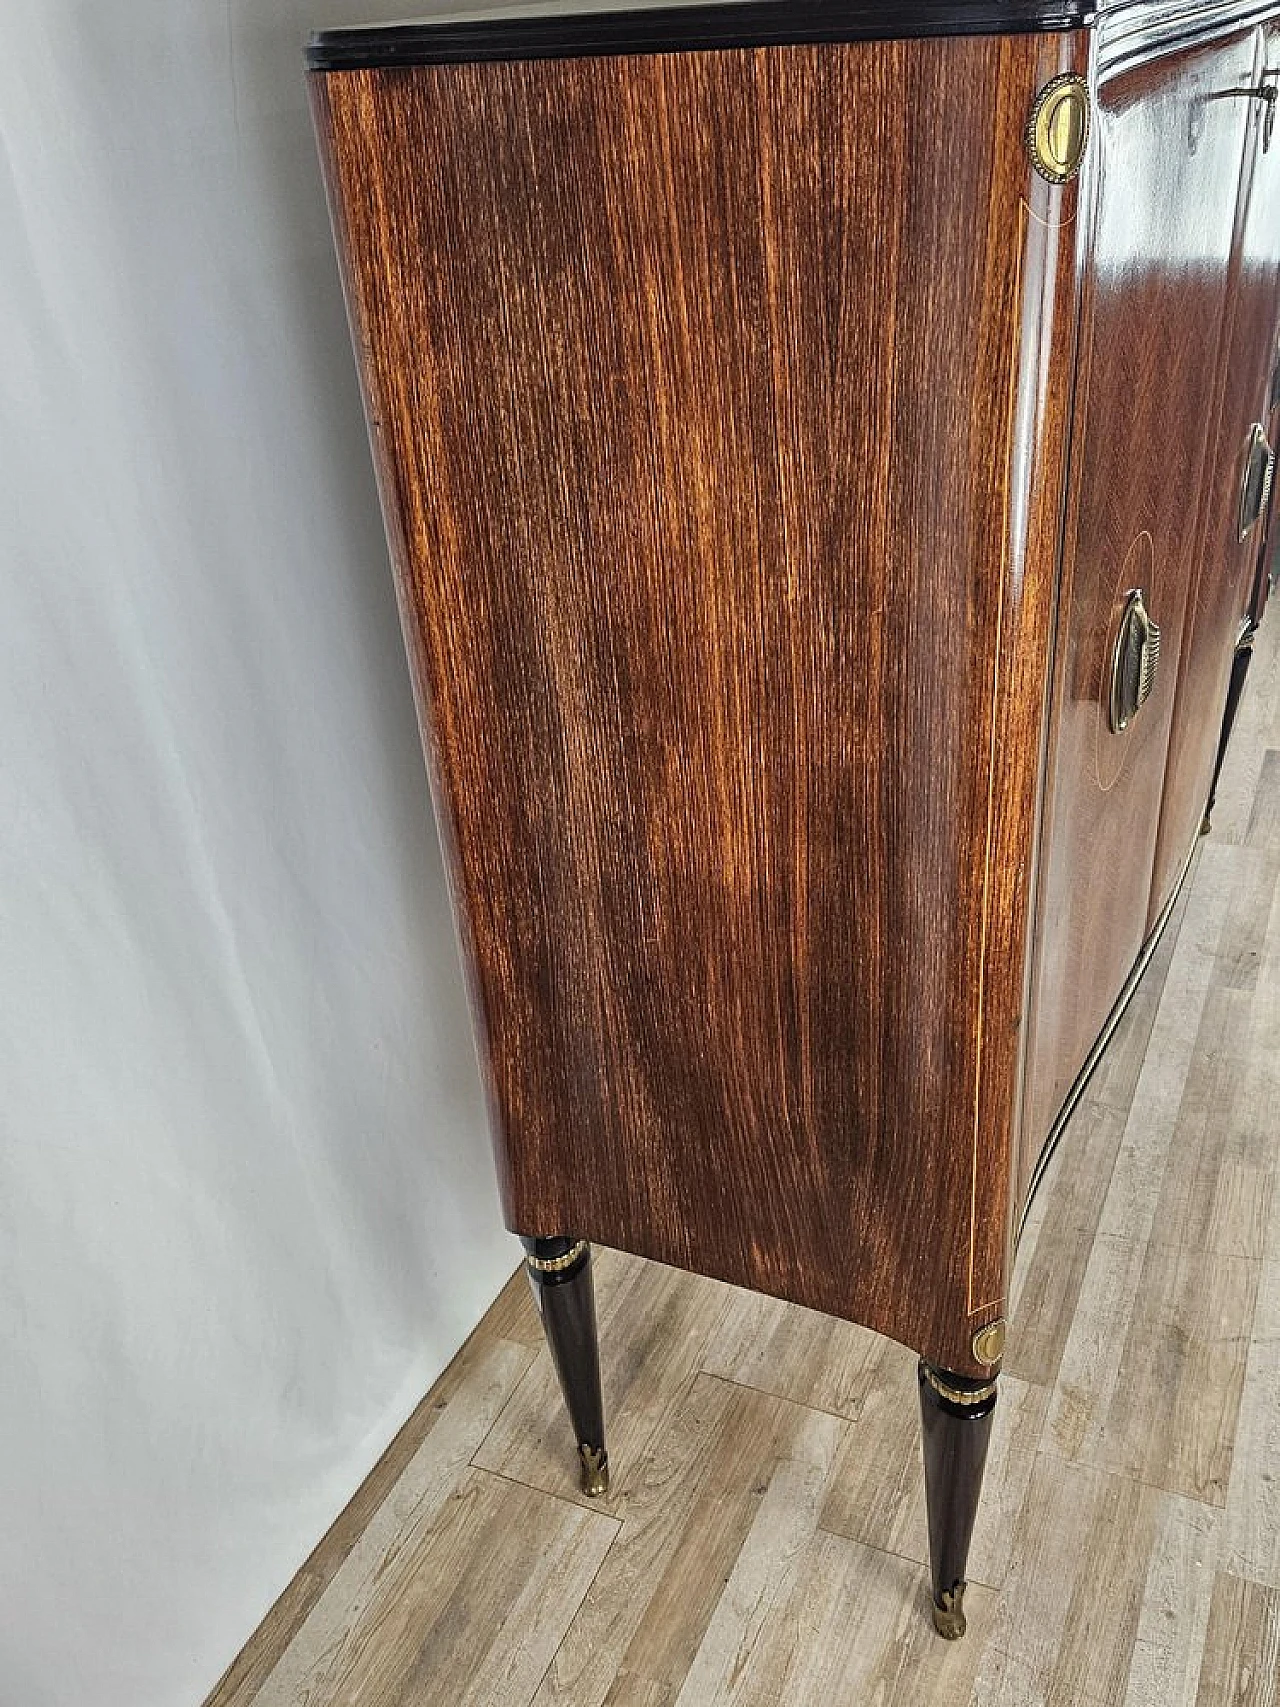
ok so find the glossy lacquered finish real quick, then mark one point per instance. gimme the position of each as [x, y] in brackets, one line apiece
[559, 1273]
[720, 408]
[955, 1431]
[1228, 556]
[1168, 143]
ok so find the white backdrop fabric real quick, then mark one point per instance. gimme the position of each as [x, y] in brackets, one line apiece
[246, 1198]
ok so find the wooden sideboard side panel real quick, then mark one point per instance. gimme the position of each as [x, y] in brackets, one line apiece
[694, 381]
[1165, 158]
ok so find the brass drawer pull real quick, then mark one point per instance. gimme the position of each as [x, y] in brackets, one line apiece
[1259, 470]
[1265, 93]
[1134, 662]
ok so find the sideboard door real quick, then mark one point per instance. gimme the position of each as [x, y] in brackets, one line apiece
[1165, 162]
[1230, 555]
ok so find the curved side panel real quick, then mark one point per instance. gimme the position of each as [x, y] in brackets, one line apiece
[719, 404]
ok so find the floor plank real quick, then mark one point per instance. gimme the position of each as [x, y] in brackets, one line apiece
[1152, 1381]
[725, 1462]
[1242, 1647]
[1251, 1539]
[1067, 1622]
[849, 1624]
[467, 1608]
[1176, 1598]
[796, 1354]
[411, 1480]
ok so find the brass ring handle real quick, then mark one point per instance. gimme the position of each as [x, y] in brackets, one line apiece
[1259, 471]
[1133, 662]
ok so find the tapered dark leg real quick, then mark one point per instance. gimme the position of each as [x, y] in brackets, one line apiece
[1239, 670]
[559, 1272]
[955, 1420]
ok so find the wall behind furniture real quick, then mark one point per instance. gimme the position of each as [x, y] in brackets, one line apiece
[246, 1198]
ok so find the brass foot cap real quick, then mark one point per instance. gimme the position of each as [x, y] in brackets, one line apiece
[948, 1614]
[595, 1470]
[1205, 825]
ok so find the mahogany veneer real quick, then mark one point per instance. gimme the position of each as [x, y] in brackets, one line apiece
[768, 448]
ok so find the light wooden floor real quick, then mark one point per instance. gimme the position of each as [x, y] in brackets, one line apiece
[764, 1540]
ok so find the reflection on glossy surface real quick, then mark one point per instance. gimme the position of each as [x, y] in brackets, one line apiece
[1231, 540]
[1163, 165]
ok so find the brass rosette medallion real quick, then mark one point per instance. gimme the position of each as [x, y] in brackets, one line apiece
[1058, 128]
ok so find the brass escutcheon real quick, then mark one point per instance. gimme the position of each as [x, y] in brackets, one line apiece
[988, 1342]
[1059, 127]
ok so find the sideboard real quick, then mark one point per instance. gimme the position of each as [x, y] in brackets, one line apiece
[826, 455]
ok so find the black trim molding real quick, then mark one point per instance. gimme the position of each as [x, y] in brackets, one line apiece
[673, 29]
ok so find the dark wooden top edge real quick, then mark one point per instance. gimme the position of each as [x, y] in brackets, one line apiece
[675, 29]
[1132, 29]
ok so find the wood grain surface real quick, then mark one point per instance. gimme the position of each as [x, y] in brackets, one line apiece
[719, 403]
[1226, 566]
[1166, 165]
